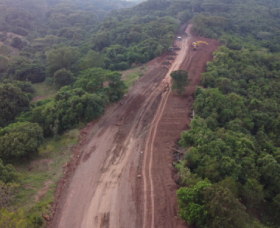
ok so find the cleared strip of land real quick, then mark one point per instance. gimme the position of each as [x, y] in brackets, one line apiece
[122, 173]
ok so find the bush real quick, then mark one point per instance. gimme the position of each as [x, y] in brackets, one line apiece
[15, 219]
[180, 81]
[7, 173]
[20, 140]
[23, 69]
[37, 220]
[207, 205]
[69, 107]
[63, 77]
[16, 42]
[26, 87]
[192, 206]
[13, 102]
[7, 193]
[49, 81]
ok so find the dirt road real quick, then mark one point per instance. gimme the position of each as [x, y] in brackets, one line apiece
[121, 175]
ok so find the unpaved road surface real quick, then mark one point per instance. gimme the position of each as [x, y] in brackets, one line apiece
[121, 175]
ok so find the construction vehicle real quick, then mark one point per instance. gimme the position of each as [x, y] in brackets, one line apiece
[195, 44]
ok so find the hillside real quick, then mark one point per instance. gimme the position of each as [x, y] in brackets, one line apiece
[133, 169]
[60, 68]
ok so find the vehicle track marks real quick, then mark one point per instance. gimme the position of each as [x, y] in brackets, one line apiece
[149, 148]
[107, 190]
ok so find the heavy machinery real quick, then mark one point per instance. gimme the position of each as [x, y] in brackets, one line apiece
[195, 44]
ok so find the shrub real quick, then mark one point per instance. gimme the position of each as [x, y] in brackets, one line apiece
[20, 140]
[63, 77]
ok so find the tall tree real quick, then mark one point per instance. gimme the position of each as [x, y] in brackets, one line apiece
[192, 206]
[13, 102]
[62, 57]
[180, 81]
[224, 209]
[63, 77]
[20, 140]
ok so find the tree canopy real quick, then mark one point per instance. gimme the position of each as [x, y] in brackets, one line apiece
[8, 173]
[13, 102]
[20, 140]
[235, 131]
[180, 81]
[233, 143]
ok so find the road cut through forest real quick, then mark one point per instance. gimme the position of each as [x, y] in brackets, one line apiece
[121, 173]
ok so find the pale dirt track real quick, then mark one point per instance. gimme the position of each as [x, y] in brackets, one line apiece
[121, 176]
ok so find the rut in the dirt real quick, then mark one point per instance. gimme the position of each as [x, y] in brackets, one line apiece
[124, 173]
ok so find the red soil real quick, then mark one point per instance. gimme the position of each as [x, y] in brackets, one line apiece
[121, 174]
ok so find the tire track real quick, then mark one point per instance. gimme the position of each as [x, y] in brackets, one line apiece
[149, 148]
[106, 189]
[113, 167]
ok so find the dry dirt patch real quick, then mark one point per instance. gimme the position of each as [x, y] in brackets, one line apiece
[40, 165]
[9, 38]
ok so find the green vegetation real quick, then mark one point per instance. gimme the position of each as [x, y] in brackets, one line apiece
[54, 42]
[54, 153]
[68, 108]
[210, 205]
[180, 81]
[133, 75]
[62, 58]
[20, 140]
[25, 86]
[93, 80]
[235, 133]
[230, 174]
[233, 141]
[8, 173]
[38, 178]
[44, 89]
[13, 219]
[23, 69]
[37, 183]
[13, 102]
[63, 77]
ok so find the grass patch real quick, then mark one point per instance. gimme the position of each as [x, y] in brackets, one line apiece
[44, 90]
[132, 76]
[39, 178]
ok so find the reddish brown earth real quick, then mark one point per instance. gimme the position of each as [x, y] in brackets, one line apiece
[121, 174]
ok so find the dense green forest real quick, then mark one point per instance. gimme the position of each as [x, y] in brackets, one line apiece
[76, 47]
[230, 173]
